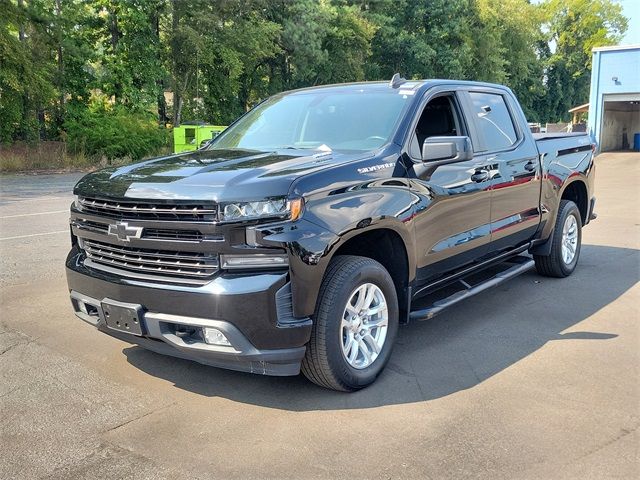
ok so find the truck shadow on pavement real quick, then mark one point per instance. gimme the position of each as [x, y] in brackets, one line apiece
[455, 351]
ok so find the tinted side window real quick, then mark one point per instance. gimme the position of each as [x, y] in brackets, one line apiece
[439, 118]
[493, 120]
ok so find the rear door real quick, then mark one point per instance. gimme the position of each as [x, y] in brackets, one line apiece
[512, 159]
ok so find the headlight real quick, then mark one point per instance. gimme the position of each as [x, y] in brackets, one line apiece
[76, 202]
[275, 208]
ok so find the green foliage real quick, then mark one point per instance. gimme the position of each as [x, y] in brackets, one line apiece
[575, 27]
[90, 71]
[131, 65]
[234, 62]
[506, 36]
[25, 82]
[116, 133]
[422, 39]
[320, 42]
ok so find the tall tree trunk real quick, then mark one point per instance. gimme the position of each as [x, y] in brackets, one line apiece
[26, 107]
[114, 32]
[42, 126]
[162, 104]
[177, 109]
[62, 94]
[59, 53]
[177, 97]
[21, 34]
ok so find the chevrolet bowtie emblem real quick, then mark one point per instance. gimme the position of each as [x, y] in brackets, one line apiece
[124, 232]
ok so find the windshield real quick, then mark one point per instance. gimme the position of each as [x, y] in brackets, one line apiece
[324, 120]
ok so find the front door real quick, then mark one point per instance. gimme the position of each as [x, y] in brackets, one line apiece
[452, 224]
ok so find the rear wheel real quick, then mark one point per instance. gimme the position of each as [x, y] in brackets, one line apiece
[565, 243]
[355, 325]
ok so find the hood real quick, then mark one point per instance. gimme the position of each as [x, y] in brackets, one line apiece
[217, 175]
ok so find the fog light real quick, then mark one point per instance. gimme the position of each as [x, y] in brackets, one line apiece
[82, 307]
[235, 261]
[213, 336]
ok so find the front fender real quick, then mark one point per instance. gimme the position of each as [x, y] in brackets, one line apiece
[329, 223]
[309, 248]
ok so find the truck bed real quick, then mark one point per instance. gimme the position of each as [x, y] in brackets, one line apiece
[539, 137]
[557, 144]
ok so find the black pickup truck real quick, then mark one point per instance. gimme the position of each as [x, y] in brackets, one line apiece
[304, 234]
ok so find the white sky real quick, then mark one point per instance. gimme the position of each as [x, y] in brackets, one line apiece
[631, 10]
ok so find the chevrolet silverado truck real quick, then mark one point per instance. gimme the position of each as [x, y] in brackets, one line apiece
[303, 236]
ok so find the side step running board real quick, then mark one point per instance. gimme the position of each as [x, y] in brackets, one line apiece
[429, 312]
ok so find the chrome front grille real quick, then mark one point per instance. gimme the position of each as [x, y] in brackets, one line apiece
[130, 209]
[169, 234]
[91, 226]
[174, 234]
[192, 267]
[148, 240]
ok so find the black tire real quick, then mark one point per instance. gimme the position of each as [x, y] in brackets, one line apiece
[553, 265]
[324, 362]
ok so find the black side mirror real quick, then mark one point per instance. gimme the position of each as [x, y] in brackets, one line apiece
[447, 149]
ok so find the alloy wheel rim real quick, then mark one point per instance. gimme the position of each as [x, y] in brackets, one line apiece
[364, 326]
[569, 239]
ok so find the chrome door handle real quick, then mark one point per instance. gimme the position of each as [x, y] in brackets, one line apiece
[480, 176]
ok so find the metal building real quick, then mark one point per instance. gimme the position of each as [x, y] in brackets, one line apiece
[614, 102]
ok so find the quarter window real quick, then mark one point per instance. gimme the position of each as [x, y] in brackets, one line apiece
[493, 120]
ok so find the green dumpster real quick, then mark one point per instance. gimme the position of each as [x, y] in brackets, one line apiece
[191, 135]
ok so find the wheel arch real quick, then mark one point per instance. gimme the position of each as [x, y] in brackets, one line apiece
[387, 247]
[576, 191]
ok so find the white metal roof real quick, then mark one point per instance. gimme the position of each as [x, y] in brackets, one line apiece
[615, 47]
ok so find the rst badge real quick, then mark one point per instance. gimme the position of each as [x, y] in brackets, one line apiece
[124, 232]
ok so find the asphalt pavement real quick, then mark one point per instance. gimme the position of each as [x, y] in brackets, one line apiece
[535, 379]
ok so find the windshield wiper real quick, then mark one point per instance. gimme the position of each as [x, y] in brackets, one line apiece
[322, 148]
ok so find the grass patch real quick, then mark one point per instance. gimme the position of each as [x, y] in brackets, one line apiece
[22, 157]
[52, 157]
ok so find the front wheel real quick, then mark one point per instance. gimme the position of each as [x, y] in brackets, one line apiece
[355, 325]
[565, 243]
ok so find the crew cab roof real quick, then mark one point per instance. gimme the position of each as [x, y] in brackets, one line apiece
[379, 86]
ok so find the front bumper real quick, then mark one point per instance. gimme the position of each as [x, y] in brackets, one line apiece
[252, 310]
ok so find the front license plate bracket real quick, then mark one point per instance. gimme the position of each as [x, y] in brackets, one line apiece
[123, 317]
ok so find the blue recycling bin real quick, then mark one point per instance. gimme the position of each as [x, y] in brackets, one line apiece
[636, 142]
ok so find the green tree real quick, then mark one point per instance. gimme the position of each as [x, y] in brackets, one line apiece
[506, 38]
[219, 54]
[131, 62]
[64, 61]
[575, 27]
[321, 42]
[421, 39]
[26, 74]
[15, 65]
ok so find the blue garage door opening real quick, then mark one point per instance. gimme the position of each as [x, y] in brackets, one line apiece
[614, 102]
[620, 122]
